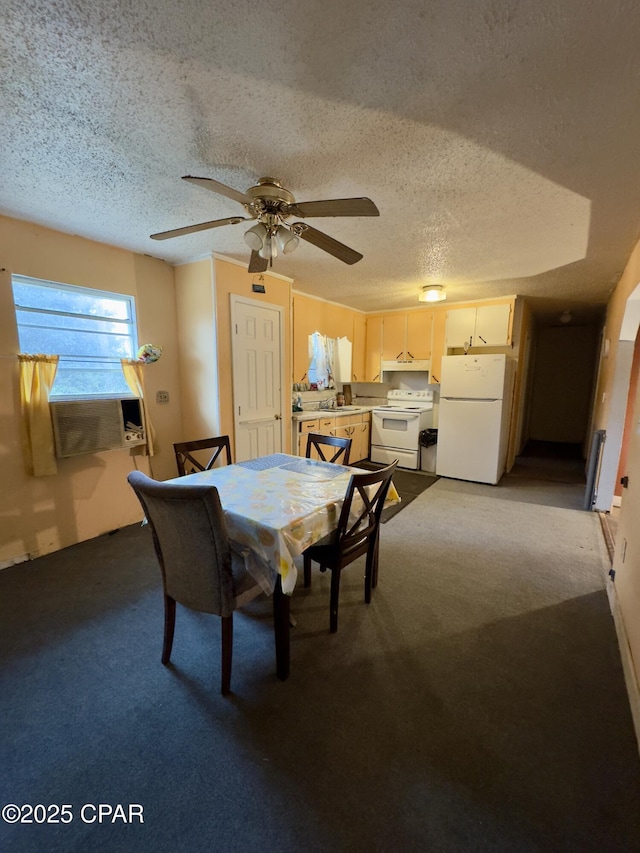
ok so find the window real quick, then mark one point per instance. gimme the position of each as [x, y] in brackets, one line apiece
[91, 330]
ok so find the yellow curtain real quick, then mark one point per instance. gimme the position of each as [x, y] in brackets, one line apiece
[133, 373]
[37, 373]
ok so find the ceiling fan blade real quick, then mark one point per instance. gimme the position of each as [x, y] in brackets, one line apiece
[203, 226]
[257, 264]
[326, 243]
[335, 207]
[217, 187]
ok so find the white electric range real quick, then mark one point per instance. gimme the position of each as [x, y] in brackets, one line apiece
[396, 427]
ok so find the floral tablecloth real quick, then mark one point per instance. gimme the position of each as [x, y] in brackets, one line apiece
[275, 507]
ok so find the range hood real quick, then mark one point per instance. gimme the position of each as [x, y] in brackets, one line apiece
[413, 364]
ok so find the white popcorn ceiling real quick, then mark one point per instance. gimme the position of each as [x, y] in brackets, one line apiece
[499, 140]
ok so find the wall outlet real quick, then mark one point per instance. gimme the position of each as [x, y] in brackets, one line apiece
[162, 396]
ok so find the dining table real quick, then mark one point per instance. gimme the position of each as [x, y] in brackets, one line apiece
[275, 507]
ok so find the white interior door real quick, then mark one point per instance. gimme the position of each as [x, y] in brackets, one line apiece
[256, 335]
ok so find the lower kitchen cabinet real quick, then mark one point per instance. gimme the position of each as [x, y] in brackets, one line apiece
[357, 427]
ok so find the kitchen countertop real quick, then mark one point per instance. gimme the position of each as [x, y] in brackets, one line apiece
[338, 412]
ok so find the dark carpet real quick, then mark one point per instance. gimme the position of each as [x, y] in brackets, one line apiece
[473, 706]
[409, 484]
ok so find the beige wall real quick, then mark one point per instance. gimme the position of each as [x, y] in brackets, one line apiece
[89, 495]
[197, 345]
[613, 322]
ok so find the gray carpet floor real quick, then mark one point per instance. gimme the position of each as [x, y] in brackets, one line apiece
[478, 703]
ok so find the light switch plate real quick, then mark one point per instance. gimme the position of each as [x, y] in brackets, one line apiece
[162, 396]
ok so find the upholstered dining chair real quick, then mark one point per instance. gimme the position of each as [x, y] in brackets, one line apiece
[315, 441]
[199, 568]
[187, 463]
[356, 535]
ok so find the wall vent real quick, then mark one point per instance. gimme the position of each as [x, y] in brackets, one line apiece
[89, 426]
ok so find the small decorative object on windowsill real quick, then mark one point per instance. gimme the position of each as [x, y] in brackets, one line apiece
[148, 353]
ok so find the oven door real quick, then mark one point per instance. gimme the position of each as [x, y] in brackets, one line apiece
[395, 428]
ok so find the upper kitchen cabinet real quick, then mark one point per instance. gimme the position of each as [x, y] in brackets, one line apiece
[479, 326]
[304, 318]
[334, 321]
[407, 337]
[419, 332]
[358, 364]
[438, 344]
[394, 334]
[373, 350]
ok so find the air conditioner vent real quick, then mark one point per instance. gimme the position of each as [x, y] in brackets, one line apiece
[89, 426]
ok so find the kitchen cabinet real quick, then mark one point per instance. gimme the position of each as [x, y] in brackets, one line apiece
[315, 315]
[357, 427]
[394, 337]
[304, 324]
[358, 361]
[407, 336]
[437, 344]
[373, 351]
[479, 326]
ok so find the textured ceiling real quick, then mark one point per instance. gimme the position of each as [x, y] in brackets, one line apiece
[499, 140]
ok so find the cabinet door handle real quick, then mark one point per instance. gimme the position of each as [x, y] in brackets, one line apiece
[482, 339]
[409, 354]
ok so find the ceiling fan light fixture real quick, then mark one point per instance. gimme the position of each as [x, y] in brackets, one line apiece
[255, 237]
[286, 240]
[432, 293]
[269, 249]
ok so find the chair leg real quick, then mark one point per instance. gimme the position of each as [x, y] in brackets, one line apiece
[374, 569]
[369, 572]
[333, 604]
[307, 571]
[227, 653]
[169, 626]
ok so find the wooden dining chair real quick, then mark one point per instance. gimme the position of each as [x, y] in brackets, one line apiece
[315, 441]
[199, 568]
[188, 464]
[356, 535]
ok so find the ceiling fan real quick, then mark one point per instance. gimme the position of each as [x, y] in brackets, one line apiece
[271, 205]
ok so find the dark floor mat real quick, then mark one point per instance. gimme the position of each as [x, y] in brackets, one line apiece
[409, 484]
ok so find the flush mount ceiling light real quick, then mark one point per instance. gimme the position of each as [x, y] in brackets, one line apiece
[566, 317]
[432, 293]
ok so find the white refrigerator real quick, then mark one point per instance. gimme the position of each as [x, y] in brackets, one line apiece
[474, 416]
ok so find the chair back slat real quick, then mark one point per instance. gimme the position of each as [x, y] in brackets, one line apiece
[317, 441]
[188, 464]
[361, 510]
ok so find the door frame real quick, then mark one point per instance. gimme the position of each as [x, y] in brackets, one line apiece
[234, 300]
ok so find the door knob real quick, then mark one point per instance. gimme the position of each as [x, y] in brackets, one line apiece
[624, 482]
[277, 417]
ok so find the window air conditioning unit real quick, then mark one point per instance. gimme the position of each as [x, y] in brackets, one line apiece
[89, 426]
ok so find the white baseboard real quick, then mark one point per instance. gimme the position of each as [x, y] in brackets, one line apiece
[627, 659]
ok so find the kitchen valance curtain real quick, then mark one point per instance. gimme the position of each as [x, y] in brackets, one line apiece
[321, 360]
